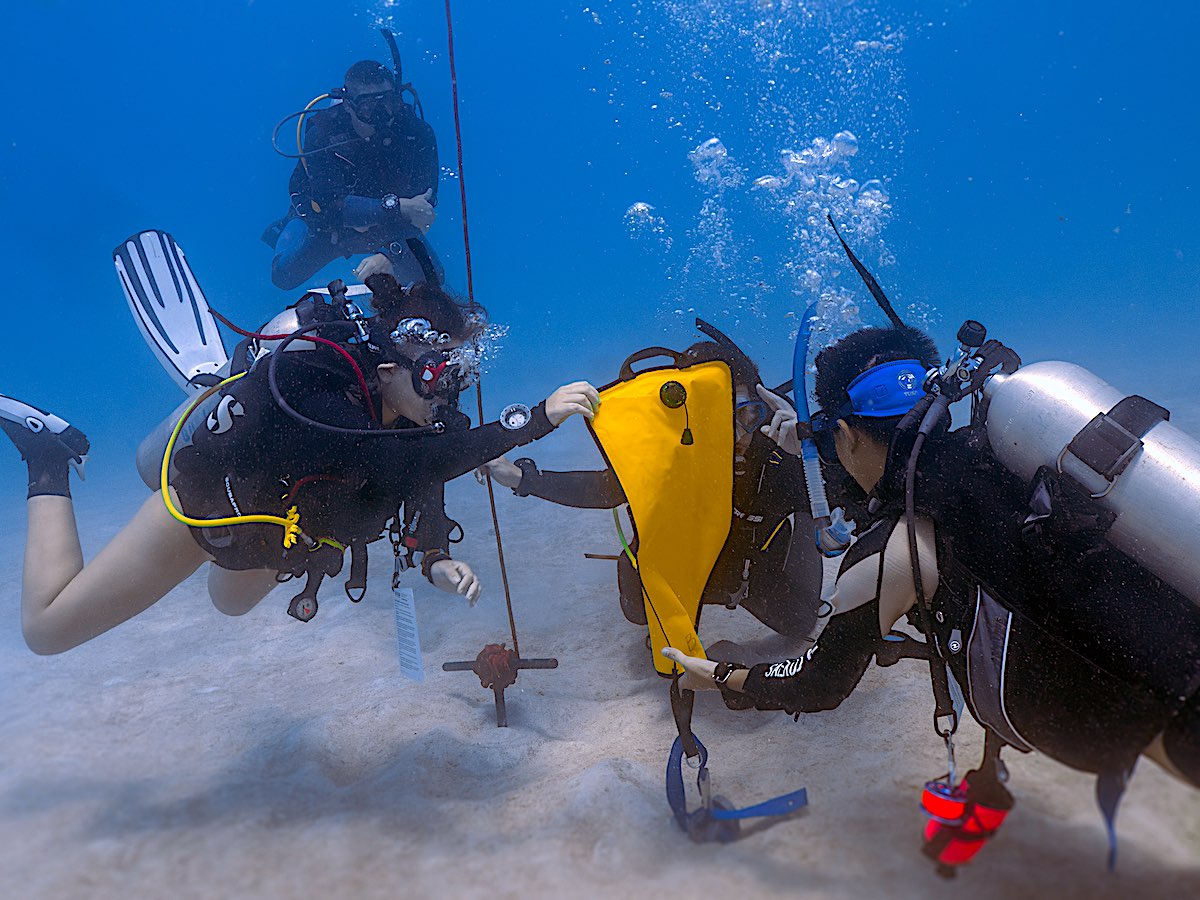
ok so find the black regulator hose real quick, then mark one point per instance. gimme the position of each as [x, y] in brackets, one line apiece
[937, 410]
[307, 153]
[273, 382]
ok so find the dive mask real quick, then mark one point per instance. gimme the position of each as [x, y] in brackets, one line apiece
[751, 414]
[821, 429]
[884, 391]
[441, 371]
[887, 390]
[377, 109]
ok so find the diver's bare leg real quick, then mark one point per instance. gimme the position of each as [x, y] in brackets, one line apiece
[236, 593]
[1157, 754]
[65, 603]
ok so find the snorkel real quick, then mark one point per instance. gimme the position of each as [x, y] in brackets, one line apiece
[832, 534]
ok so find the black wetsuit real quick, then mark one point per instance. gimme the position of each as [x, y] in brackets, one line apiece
[400, 159]
[1066, 647]
[341, 189]
[782, 577]
[251, 457]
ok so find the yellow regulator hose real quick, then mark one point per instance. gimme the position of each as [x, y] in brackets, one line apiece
[300, 129]
[290, 524]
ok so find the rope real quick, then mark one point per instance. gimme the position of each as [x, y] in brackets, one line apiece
[462, 192]
[462, 181]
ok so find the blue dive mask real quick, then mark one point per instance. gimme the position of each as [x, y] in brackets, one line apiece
[881, 392]
[886, 390]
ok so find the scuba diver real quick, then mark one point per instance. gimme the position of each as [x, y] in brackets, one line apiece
[296, 458]
[1044, 557]
[172, 312]
[760, 567]
[365, 182]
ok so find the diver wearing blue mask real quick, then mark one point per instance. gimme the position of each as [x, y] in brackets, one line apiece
[1064, 632]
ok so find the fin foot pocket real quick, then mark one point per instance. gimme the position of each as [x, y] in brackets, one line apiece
[47, 443]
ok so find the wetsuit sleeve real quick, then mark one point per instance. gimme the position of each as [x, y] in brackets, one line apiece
[582, 490]
[444, 457]
[434, 528]
[824, 676]
[874, 590]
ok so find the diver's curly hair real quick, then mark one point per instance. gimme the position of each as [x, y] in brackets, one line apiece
[446, 313]
[842, 362]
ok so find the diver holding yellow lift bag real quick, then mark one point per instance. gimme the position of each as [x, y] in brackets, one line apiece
[667, 434]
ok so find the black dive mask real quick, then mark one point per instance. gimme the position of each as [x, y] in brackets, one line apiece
[436, 377]
[378, 109]
[823, 429]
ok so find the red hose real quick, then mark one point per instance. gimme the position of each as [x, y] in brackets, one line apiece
[362, 382]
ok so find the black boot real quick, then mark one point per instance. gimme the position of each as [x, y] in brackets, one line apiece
[49, 445]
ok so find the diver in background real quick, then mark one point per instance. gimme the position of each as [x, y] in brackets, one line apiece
[768, 566]
[366, 183]
[1061, 642]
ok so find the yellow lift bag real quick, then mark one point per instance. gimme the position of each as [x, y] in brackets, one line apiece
[667, 434]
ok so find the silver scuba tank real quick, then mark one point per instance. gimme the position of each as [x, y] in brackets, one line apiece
[285, 322]
[290, 320]
[1033, 417]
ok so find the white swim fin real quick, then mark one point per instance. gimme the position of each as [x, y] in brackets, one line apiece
[170, 309]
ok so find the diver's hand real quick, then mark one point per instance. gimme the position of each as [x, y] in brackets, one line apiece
[576, 398]
[375, 264]
[697, 673]
[502, 471]
[782, 427]
[418, 210]
[455, 577]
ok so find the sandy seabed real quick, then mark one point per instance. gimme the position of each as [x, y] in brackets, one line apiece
[186, 754]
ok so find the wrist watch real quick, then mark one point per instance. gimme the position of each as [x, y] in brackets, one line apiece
[389, 201]
[723, 670]
[527, 466]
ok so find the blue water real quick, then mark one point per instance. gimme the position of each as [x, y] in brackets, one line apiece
[1030, 167]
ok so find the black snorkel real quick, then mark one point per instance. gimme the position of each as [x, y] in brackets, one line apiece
[868, 279]
[398, 70]
[397, 67]
[726, 343]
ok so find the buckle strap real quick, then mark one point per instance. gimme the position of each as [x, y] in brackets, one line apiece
[715, 819]
[1109, 442]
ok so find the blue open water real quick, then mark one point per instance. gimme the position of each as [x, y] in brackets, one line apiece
[1031, 165]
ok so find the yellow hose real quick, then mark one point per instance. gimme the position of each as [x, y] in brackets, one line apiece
[290, 524]
[773, 533]
[300, 129]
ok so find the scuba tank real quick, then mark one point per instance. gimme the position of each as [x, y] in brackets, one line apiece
[305, 312]
[1137, 467]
